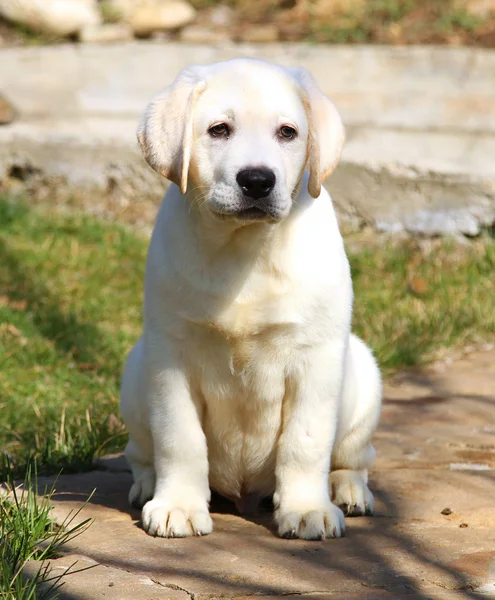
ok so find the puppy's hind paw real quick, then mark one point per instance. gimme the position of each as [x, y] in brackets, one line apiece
[350, 492]
[142, 489]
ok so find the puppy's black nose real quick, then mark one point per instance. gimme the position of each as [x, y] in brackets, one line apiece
[256, 183]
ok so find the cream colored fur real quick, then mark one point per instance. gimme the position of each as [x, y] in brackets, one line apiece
[246, 379]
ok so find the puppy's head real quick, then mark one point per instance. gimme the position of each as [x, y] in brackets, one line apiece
[238, 135]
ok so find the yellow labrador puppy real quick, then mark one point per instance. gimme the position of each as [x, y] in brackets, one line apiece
[246, 379]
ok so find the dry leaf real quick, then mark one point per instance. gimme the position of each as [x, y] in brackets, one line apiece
[12, 329]
[417, 286]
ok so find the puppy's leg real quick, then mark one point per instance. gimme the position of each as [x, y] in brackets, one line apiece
[303, 508]
[143, 472]
[139, 450]
[353, 453]
[179, 506]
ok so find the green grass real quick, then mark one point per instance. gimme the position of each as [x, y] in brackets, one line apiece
[416, 300]
[27, 532]
[70, 308]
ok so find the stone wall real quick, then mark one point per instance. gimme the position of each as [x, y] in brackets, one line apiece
[420, 126]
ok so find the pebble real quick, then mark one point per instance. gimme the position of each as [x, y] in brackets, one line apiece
[7, 111]
[55, 17]
[148, 16]
[221, 16]
[260, 34]
[478, 8]
[195, 34]
[109, 32]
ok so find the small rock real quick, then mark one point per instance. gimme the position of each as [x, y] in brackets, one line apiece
[447, 511]
[260, 34]
[221, 16]
[395, 32]
[7, 111]
[109, 32]
[147, 16]
[325, 9]
[56, 17]
[195, 34]
[478, 8]
[463, 525]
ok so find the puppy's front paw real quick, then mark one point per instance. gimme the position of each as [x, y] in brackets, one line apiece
[317, 524]
[350, 492]
[161, 519]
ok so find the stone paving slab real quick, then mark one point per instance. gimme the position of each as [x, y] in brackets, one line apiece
[102, 581]
[436, 450]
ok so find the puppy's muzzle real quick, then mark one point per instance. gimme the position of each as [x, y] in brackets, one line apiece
[256, 183]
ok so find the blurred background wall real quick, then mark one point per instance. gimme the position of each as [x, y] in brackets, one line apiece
[413, 79]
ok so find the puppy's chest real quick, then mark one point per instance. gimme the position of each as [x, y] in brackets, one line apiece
[255, 323]
[242, 358]
[245, 345]
[242, 380]
[259, 317]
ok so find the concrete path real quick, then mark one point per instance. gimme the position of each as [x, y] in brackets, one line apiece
[420, 123]
[433, 535]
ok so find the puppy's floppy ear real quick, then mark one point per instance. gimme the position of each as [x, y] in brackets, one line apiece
[165, 132]
[326, 131]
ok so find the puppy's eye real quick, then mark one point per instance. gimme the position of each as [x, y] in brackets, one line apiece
[287, 133]
[220, 130]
